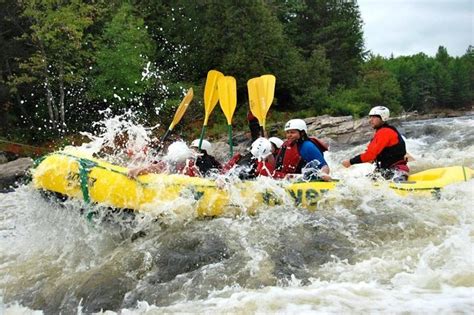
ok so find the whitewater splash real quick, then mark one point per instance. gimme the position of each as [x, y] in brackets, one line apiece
[364, 250]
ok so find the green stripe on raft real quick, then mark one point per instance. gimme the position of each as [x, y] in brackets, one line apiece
[108, 184]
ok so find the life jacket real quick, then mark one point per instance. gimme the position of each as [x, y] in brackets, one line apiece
[131, 153]
[206, 163]
[186, 168]
[233, 161]
[246, 163]
[394, 154]
[264, 168]
[289, 160]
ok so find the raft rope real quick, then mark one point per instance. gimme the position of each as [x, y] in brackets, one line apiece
[85, 166]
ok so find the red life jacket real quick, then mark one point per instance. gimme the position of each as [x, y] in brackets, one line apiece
[131, 153]
[264, 168]
[187, 168]
[394, 154]
[289, 160]
[233, 161]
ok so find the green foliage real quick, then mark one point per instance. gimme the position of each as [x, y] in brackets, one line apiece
[378, 86]
[55, 68]
[427, 83]
[61, 59]
[346, 102]
[122, 54]
[311, 87]
[334, 25]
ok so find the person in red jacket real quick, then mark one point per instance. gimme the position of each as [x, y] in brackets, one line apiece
[178, 160]
[257, 161]
[276, 145]
[262, 151]
[386, 149]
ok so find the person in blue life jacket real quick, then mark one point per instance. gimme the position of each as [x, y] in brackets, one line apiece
[300, 152]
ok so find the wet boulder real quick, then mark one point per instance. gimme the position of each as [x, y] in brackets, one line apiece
[13, 172]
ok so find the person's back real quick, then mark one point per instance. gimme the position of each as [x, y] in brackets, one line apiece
[205, 163]
[243, 166]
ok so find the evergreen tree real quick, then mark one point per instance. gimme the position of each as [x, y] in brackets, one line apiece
[336, 26]
[243, 39]
[12, 26]
[462, 73]
[378, 86]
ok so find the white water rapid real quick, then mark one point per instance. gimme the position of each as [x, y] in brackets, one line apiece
[364, 250]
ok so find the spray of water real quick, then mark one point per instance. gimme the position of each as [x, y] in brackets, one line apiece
[364, 250]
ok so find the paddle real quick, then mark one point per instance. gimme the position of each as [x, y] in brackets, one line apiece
[179, 113]
[261, 91]
[227, 88]
[211, 97]
[268, 82]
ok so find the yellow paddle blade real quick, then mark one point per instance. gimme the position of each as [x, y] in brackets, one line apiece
[227, 87]
[268, 82]
[268, 85]
[211, 95]
[254, 89]
[182, 108]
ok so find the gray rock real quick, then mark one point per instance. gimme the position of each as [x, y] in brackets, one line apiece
[3, 158]
[12, 172]
[336, 131]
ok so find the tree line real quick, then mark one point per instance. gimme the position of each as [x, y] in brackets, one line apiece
[63, 63]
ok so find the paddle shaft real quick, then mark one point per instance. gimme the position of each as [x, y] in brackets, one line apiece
[203, 131]
[229, 127]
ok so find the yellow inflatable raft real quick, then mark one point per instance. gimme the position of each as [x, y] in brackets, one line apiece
[76, 175]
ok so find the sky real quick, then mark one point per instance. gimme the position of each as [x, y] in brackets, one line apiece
[408, 27]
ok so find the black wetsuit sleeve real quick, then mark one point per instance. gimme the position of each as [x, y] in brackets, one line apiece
[355, 160]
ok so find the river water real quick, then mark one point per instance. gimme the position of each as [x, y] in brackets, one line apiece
[364, 250]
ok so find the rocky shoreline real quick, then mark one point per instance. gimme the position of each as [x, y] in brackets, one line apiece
[12, 173]
[337, 131]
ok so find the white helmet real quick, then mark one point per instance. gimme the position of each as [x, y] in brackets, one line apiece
[381, 111]
[276, 141]
[205, 146]
[261, 148]
[178, 152]
[297, 124]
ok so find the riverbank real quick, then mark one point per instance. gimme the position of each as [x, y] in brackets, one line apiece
[336, 131]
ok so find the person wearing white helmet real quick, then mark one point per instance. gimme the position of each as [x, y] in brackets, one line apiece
[176, 161]
[276, 145]
[206, 163]
[261, 150]
[299, 150]
[387, 148]
[246, 165]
